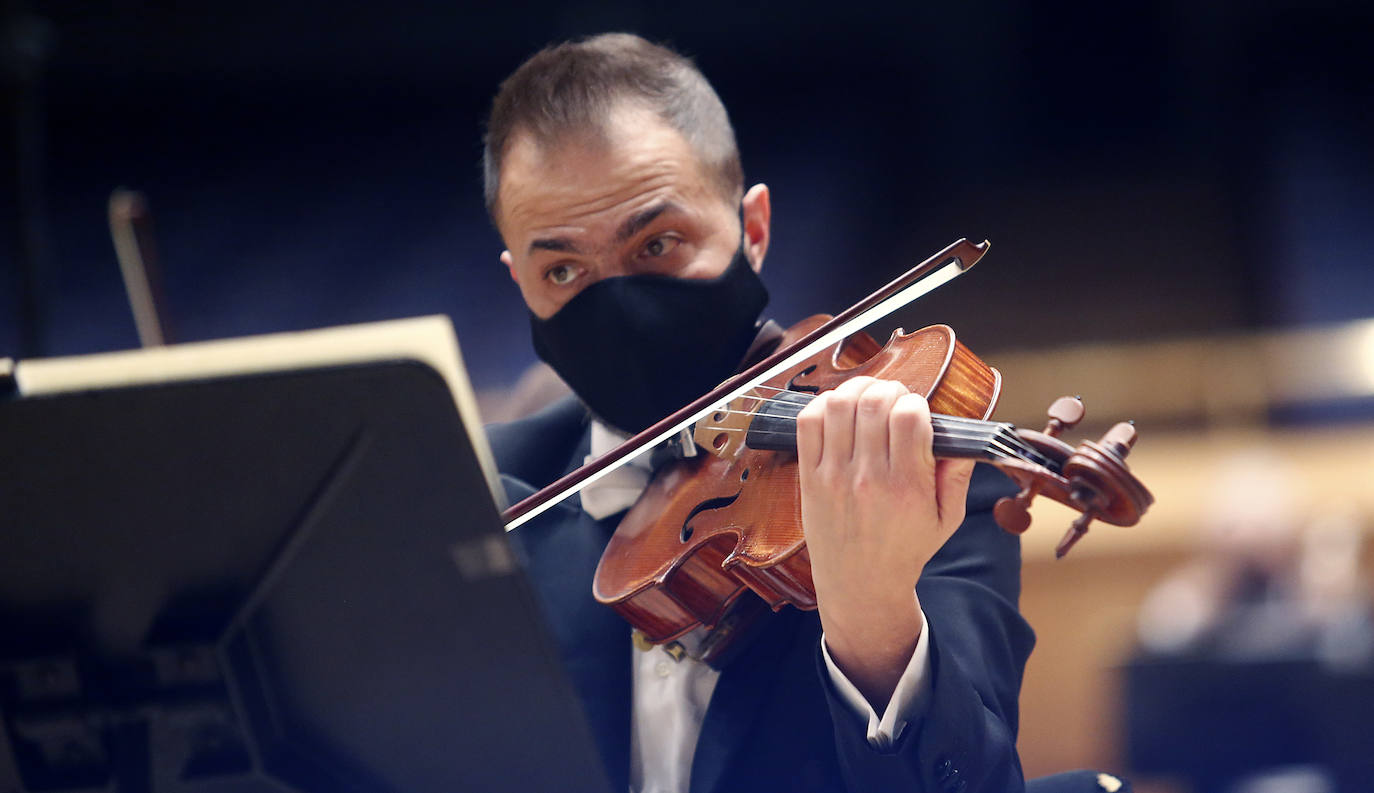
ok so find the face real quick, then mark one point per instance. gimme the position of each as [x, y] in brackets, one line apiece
[634, 200]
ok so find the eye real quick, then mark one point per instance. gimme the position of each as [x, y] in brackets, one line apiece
[561, 274]
[661, 246]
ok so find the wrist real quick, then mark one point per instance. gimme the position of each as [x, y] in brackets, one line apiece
[866, 606]
[873, 646]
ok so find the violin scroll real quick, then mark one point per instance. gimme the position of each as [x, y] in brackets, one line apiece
[1092, 479]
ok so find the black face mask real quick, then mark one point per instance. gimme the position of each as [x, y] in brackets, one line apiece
[635, 348]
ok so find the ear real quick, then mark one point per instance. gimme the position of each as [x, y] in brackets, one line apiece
[757, 211]
[507, 260]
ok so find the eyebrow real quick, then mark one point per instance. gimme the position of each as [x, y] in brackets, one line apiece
[636, 222]
[560, 244]
[632, 226]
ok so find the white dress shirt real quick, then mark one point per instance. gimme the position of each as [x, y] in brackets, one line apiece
[670, 696]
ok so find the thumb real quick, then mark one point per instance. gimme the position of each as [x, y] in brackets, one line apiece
[951, 489]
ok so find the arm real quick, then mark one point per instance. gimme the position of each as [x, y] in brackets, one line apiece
[875, 514]
[886, 723]
[978, 650]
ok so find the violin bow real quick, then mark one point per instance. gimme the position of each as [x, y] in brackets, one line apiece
[920, 280]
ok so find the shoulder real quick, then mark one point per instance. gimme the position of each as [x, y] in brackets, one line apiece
[536, 449]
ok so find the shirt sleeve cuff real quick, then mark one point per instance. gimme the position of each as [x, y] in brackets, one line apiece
[909, 698]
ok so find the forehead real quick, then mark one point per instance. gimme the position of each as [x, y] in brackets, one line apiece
[633, 159]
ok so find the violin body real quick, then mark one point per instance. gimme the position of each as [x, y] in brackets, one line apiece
[711, 527]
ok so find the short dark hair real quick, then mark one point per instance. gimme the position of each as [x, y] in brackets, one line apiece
[572, 87]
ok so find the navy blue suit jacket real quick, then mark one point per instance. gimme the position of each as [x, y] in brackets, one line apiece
[774, 721]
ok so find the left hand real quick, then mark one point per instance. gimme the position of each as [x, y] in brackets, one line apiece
[876, 506]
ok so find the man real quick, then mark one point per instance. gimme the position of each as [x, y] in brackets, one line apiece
[614, 180]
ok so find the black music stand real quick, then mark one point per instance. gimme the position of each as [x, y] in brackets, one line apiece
[1213, 720]
[283, 581]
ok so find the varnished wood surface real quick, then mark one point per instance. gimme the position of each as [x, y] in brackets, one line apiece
[709, 527]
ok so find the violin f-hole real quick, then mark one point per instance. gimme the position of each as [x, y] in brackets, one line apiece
[721, 502]
[793, 385]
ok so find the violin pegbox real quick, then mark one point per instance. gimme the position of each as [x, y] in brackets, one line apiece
[1092, 479]
[1013, 513]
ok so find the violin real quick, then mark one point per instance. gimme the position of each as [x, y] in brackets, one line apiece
[725, 519]
[711, 527]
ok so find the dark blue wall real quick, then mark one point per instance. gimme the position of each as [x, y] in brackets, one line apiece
[1143, 169]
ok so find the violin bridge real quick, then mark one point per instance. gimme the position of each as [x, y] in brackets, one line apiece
[723, 431]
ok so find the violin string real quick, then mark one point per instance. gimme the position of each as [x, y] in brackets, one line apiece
[991, 443]
[939, 434]
[992, 454]
[979, 424]
[1027, 450]
[987, 428]
[1004, 430]
[979, 428]
[808, 398]
[993, 447]
[986, 439]
[996, 437]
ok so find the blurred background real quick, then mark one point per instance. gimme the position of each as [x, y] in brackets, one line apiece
[1182, 216]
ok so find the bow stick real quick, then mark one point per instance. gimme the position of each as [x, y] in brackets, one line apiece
[925, 277]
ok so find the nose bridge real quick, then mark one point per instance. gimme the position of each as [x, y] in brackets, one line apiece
[609, 263]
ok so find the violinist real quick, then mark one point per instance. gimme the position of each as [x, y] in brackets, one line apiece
[614, 180]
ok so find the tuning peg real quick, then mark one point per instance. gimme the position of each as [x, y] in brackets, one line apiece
[1075, 533]
[1064, 414]
[1120, 439]
[1012, 514]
